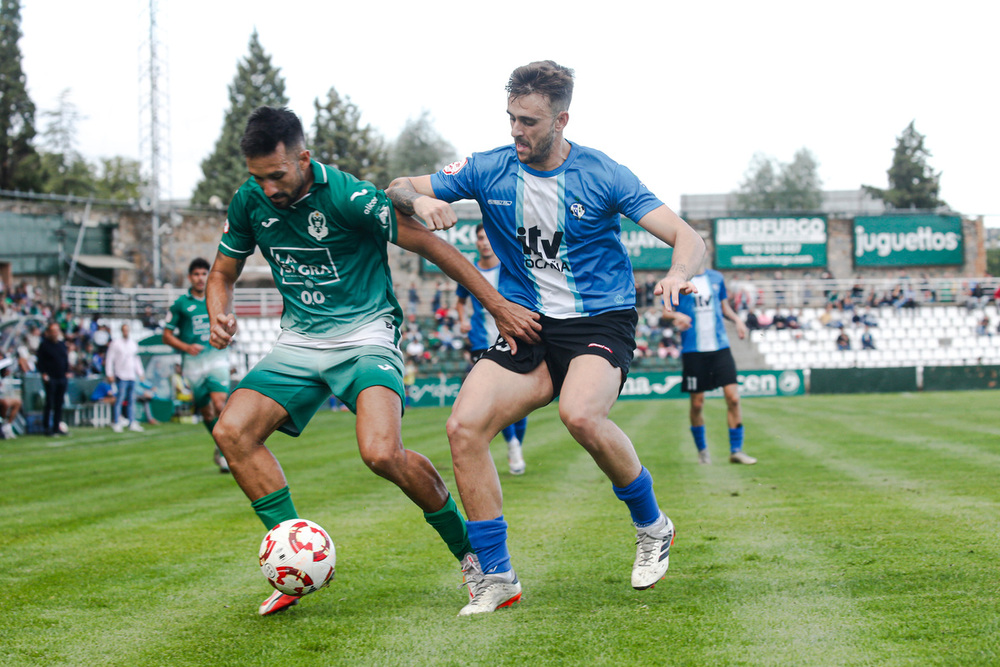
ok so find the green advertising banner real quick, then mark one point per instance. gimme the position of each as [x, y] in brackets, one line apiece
[908, 240]
[439, 392]
[645, 250]
[757, 242]
[463, 237]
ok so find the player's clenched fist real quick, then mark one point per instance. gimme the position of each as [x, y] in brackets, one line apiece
[223, 330]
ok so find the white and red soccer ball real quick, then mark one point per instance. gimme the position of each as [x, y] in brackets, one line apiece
[297, 557]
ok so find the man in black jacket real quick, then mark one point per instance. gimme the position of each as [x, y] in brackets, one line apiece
[52, 361]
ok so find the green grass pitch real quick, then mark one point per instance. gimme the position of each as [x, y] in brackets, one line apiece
[866, 535]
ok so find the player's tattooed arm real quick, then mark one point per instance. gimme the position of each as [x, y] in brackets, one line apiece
[414, 196]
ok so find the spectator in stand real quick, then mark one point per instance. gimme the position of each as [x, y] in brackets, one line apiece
[124, 368]
[827, 318]
[413, 297]
[843, 341]
[752, 321]
[52, 361]
[150, 320]
[10, 401]
[983, 328]
[648, 291]
[867, 341]
[792, 320]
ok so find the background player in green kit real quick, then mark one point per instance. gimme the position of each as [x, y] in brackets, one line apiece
[325, 234]
[206, 369]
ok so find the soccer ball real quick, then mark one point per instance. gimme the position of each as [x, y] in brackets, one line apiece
[297, 557]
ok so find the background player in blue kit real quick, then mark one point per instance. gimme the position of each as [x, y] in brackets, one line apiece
[708, 361]
[483, 333]
[552, 211]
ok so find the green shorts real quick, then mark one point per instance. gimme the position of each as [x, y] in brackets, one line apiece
[301, 380]
[216, 380]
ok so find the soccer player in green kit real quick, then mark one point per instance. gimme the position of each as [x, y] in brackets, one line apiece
[187, 330]
[325, 234]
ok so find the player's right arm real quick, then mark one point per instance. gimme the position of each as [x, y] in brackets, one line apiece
[414, 195]
[170, 338]
[219, 299]
[463, 322]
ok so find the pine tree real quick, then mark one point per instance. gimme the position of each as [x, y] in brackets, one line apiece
[912, 182]
[19, 163]
[339, 140]
[257, 83]
[419, 149]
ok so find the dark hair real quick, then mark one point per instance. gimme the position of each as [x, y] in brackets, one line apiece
[479, 228]
[544, 77]
[269, 126]
[199, 263]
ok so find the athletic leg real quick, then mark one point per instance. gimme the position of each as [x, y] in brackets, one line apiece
[696, 414]
[734, 418]
[589, 391]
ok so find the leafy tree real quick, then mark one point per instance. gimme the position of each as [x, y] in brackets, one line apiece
[118, 178]
[912, 182]
[340, 140]
[18, 160]
[257, 83]
[419, 149]
[769, 185]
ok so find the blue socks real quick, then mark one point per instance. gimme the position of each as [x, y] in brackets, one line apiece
[520, 427]
[640, 499]
[509, 433]
[699, 437]
[736, 439]
[489, 539]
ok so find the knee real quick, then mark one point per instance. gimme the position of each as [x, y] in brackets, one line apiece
[225, 434]
[579, 423]
[461, 434]
[383, 461]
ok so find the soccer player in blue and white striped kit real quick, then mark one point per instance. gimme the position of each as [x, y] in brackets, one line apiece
[708, 360]
[552, 211]
[483, 333]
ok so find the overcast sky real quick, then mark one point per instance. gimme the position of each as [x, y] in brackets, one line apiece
[682, 93]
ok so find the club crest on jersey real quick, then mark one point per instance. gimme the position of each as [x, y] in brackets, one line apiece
[455, 167]
[225, 227]
[383, 216]
[577, 210]
[317, 226]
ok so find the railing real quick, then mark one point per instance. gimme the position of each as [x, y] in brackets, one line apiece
[792, 293]
[132, 302]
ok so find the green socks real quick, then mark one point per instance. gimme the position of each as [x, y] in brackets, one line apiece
[450, 525]
[276, 507]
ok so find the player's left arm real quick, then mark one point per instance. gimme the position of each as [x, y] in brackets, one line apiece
[732, 316]
[513, 321]
[219, 299]
[689, 252]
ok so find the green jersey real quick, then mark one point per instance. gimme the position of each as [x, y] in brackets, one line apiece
[188, 319]
[328, 255]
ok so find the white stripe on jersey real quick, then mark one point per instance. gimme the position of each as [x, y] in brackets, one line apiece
[541, 201]
[705, 321]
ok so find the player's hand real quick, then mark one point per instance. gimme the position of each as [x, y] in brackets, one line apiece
[741, 328]
[464, 327]
[671, 289]
[194, 349]
[223, 330]
[435, 213]
[517, 322]
[681, 321]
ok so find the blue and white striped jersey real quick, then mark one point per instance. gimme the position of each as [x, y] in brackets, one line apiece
[708, 328]
[557, 233]
[483, 330]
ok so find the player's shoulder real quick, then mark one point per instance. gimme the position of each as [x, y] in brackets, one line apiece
[594, 158]
[485, 160]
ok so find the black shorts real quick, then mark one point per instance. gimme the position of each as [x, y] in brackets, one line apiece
[705, 371]
[609, 335]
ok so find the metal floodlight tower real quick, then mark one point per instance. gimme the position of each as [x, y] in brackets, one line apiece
[154, 128]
